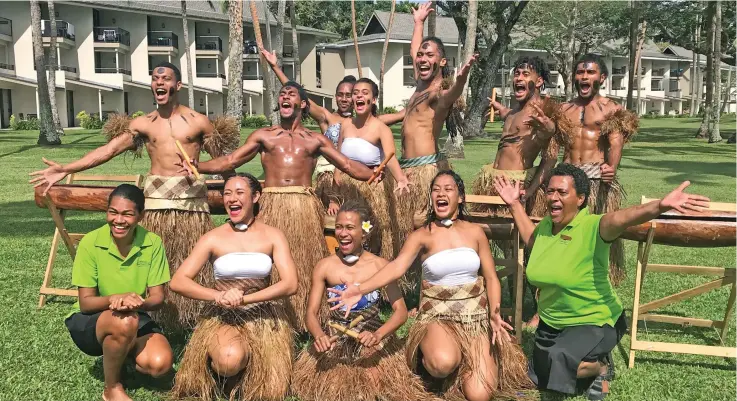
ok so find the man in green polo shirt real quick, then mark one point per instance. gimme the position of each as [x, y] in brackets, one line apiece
[581, 317]
[120, 270]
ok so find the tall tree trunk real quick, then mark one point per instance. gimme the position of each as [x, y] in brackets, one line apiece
[638, 64]
[469, 47]
[700, 79]
[432, 21]
[504, 84]
[235, 61]
[383, 56]
[571, 50]
[727, 92]
[295, 42]
[269, 77]
[47, 134]
[279, 44]
[52, 68]
[355, 39]
[694, 71]
[190, 79]
[714, 135]
[709, 101]
[632, 55]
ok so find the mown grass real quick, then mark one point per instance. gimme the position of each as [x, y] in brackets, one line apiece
[40, 362]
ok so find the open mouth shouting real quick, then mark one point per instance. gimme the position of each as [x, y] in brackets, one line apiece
[360, 105]
[235, 212]
[346, 245]
[584, 88]
[161, 95]
[520, 90]
[556, 210]
[425, 71]
[286, 108]
[442, 206]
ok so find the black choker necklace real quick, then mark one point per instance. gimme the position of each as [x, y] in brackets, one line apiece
[241, 226]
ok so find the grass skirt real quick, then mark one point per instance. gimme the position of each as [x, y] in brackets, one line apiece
[298, 213]
[605, 198]
[179, 230]
[404, 207]
[463, 312]
[376, 197]
[352, 372]
[483, 184]
[269, 339]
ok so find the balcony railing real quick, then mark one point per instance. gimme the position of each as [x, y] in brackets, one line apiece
[58, 68]
[112, 70]
[619, 71]
[250, 47]
[6, 27]
[4, 66]
[111, 35]
[288, 51]
[658, 72]
[210, 75]
[656, 85]
[163, 39]
[64, 29]
[208, 43]
[250, 76]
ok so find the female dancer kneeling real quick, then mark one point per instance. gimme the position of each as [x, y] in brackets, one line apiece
[459, 337]
[366, 366]
[367, 140]
[244, 337]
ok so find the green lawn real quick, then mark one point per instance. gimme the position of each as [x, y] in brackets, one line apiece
[39, 360]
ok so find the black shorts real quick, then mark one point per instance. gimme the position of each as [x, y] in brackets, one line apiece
[558, 353]
[82, 328]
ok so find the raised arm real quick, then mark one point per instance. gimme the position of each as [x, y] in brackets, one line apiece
[319, 113]
[510, 195]
[239, 157]
[419, 15]
[448, 97]
[343, 163]
[613, 224]
[387, 145]
[287, 284]
[393, 118]
[56, 172]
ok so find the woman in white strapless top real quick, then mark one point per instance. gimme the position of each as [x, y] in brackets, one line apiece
[459, 336]
[245, 329]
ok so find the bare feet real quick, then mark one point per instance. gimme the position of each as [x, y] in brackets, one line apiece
[115, 393]
[533, 322]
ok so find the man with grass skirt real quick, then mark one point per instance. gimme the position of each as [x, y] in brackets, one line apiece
[289, 153]
[176, 204]
[597, 129]
[426, 112]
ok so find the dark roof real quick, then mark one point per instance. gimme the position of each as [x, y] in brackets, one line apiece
[375, 30]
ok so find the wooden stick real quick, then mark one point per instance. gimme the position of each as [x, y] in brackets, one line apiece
[493, 99]
[344, 330]
[186, 159]
[355, 321]
[380, 168]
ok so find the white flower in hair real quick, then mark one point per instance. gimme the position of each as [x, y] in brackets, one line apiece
[366, 226]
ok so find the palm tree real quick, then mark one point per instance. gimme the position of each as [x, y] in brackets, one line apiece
[269, 78]
[295, 41]
[260, 42]
[235, 64]
[432, 20]
[52, 65]
[632, 51]
[185, 28]
[47, 134]
[355, 38]
[709, 101]
[383, 55]
[714, 135]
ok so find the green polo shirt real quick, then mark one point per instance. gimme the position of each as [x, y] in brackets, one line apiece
[571, 269]
[99, 264]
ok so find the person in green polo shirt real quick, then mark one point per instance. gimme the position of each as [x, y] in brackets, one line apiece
[120, 270]
[581, 318]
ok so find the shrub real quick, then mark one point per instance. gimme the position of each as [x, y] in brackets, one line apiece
[389, 110]
[255, 121]
[87, 121]
[308, 120]
[17, 124]
[138, 114]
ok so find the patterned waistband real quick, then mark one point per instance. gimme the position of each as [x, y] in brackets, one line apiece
[175, 192]
[465, 303]
[422, 160]
[592, 170]
[295, 189]
[248, 286]
[515, 175]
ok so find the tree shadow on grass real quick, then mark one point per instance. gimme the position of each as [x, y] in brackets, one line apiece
[681, 170]
[66, 145]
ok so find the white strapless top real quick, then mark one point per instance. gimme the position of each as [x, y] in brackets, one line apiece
[242, 265]
[362, 151]
[455, 266]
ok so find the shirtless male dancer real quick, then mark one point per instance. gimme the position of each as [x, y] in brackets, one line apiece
[599, 128]
[330, 123]
[426, 112]
[176, 205]
[528, 128]
[289, 153]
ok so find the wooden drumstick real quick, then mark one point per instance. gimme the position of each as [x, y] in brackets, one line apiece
[380, 168]
[186, 159]
[493, 99]
[355, 321]
[344, 330]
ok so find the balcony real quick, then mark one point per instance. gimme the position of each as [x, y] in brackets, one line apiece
[112, 70]
[407, 61]
[208, 46]
[210, 75]
[69, 72]
[288, 51]
[656, 85]
[250, 76]
[676, 72]
[619, 71]
[6, 30]
[163, 43]
[111, 38]
[64, 33]
[658, 72]
[7, 68]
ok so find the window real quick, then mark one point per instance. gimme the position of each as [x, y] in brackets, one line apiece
[618, 83]
[318, 71]
[656, 84]
[673, 87]
[409, 77]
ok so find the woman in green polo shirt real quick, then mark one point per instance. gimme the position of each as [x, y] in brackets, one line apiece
[581, 317]
[120, 270]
